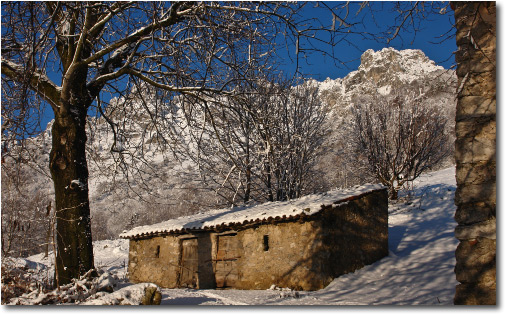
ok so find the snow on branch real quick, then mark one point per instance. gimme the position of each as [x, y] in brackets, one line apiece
[39, 82]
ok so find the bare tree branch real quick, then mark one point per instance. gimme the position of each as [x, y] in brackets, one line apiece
[39, 82]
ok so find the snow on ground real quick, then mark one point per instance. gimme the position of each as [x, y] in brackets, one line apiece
[112, 255]
[418, 271]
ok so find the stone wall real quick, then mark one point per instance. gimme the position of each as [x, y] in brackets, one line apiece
[145, 265]
[355, 235]
[289, 261]
[305, 254]
[476, 152]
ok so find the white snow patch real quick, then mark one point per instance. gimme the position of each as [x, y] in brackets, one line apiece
[130, 295]
[330, 84]
[77, 183]
[384, 90]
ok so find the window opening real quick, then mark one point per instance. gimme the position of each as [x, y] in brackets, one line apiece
[157, 255]
[265, 243]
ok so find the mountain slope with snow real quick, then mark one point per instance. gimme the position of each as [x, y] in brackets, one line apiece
[159, 187]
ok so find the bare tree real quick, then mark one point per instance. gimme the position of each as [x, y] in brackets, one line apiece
[261, 144]
[293, 140]
[77, 56]
[400, 135]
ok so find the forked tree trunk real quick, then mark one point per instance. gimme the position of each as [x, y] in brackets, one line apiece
[69, 171]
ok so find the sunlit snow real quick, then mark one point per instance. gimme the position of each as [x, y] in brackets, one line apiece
[418, 271]
[307, 205]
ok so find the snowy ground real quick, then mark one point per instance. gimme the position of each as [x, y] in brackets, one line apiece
[418, 271]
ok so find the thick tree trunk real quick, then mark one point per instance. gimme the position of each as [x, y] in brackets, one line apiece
[475, 152]
[69, 171]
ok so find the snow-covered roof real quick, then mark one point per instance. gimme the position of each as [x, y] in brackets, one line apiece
[278, 211]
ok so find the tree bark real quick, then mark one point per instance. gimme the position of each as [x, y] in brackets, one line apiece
[69, 171]
[393, 193]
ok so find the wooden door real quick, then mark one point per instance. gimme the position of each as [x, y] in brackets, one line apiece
[226, 261]
[188, 276]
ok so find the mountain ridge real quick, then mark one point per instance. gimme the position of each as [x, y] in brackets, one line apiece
[174, 187]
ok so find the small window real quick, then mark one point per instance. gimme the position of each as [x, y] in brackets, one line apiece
[157, 255]
[265, 243]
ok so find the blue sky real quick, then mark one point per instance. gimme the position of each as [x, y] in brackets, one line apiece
[426, 39]
[319, 67]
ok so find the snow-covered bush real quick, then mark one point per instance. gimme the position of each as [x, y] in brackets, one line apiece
[20, 276]
[88, 286]
[401, 135]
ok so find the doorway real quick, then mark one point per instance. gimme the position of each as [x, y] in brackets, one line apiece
[188, 275]
[228, 252]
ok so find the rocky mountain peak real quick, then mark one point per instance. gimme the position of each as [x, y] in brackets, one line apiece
[390, 66]
[383, 70]
[408, 60]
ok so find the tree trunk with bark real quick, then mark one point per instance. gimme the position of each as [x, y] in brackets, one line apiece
[69, 170]
[70, 176]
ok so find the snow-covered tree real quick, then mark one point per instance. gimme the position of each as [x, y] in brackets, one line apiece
[76, 56]
[293, 141]
[401, 135]
[262, 144]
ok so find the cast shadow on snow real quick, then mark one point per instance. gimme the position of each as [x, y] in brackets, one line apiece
[396, 234]
[188, 300]
[420, 265]
[427, 224]
[404, 276]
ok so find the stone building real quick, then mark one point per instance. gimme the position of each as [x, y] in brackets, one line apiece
[301, 244]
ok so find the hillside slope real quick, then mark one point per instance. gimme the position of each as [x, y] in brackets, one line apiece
[160, 187]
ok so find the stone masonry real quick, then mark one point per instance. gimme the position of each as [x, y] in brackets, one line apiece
[302, 254]
[476, 152]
